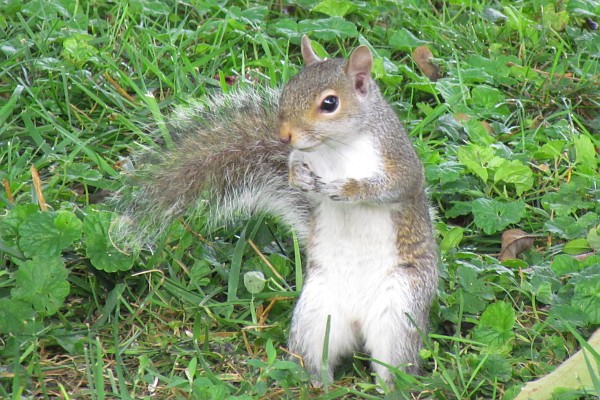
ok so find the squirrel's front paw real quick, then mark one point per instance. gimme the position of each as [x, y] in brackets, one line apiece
[333, 190]
[301, 177]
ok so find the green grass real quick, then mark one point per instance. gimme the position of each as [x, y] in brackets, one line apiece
[508, 136]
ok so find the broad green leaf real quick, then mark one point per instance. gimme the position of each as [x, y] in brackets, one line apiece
[78, 50]
[446, 172]
[564, 313]
[569, 227]
[42, 282]
[254, 281]
[451, 239]
[585, 154]
[476, 158]
[9, 225]
[98, 246]
[587, 299]
[18, 317]
[78, 171]
[577, 246]
[248, 16]
[516, 173]
[493, 216]
[497, 367]
[570, 197]
[284, 27]
[495, 70]
[328, 28]
[556, 20]
[455, 93]
[459, 208]
[550, 150]
[404, 40]
[489, 100]
[335, 8]
[271, 352]
[593, 238]
[46, 234]
[467, 277]
[564, 264]
[477, 133]
[495, 327]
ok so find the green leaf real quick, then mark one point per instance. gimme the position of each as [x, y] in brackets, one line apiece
[585, 154]
[46, 234]
[467, 277]
[497, 367]
[18, 317]
[78, 171]
[9, 225]
[284, 27]
[459, 208]
[254, 281]
[577, 246]
[476, 158]
[451, 239]
[335, 8]
[42, 282]
[98, 246]
[489, 101]
[593, 238]
[569, 198]
[78, 50]
[516, 173]
[587, 299]
[455, 93]
[570, 228]
[495, 326]
[328, 29]
[271, 352]
[564, 264]
[404, 40]
[550, 151]
[478, 133]
[566, 314]
[493, 216]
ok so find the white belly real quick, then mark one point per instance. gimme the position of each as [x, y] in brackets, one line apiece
[354, 248]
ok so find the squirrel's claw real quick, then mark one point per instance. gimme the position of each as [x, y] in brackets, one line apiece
[302, 178]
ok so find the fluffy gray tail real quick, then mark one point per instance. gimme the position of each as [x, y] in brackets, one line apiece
[225, 158]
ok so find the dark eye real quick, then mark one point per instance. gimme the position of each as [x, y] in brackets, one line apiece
[329, 104]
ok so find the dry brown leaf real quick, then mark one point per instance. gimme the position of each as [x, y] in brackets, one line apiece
[488, 127]
[581, 257]
[515, 242]
[461, 117]
[424, 60]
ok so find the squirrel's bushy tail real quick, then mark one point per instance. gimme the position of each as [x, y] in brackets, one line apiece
[225, 156]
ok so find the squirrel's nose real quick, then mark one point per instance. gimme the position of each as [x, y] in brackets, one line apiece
[285, 133]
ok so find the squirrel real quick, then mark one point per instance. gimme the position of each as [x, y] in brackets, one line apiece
[328, 155]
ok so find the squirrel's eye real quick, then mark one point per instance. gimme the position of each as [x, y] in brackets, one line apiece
[329, 104]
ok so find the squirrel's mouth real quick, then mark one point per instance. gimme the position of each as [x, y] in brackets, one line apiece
[303, 143]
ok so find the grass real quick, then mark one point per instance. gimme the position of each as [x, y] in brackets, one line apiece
[508, 137]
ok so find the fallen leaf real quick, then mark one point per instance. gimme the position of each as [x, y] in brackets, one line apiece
[514, 242]
[424, 60]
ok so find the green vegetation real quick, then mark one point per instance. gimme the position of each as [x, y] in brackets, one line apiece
[508, 135]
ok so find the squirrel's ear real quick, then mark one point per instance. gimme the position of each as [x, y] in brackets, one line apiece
[308, 55]
[359, 68]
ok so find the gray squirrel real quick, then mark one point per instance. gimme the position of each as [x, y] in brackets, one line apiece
[329, 157]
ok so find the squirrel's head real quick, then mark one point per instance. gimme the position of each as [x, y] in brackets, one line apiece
[327, 99]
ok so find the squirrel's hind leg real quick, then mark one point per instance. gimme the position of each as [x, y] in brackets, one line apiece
[309, 325]
[390, 335]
